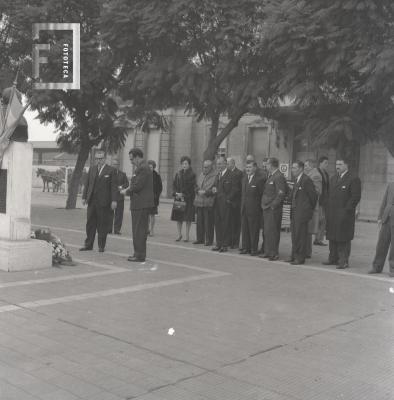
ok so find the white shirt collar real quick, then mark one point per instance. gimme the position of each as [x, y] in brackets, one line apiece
[223, 172]
[299, 177]
[343, 174]
[101, 169]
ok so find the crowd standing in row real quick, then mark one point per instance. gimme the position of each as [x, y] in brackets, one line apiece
[236, 205]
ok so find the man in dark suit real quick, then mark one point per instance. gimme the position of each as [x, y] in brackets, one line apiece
[304, 198]
[121, 183]
[141, 201]
[100, 194]
[252, 190]
[344, 195]
[386, 233]
[222, 189]
[235, 199]
[275, 191]
[323, 199]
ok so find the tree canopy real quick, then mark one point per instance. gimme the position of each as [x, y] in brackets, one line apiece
[199, 54]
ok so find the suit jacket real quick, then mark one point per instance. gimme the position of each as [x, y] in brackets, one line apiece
[344, 195]
[141, 188]
[275, 191]
[205, 182]
[121, 180]
[224, 186]
[318, 183]
[304, 198]
[237, 177]
[323, 198]
[101, 188]
[387, 204]
[251, 196]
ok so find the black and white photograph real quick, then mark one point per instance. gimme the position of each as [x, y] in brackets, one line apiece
[196, 200]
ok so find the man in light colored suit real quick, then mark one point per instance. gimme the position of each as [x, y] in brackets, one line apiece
[313, 228]
[386, 233]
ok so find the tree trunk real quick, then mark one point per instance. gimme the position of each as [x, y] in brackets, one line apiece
[215, 140]
[76, 176]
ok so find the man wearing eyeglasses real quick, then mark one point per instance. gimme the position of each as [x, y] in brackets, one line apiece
[100, 194]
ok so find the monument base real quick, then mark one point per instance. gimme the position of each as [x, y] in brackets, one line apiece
[24, 255]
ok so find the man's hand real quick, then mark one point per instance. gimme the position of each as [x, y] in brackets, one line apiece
[113, 205]
[214, 190]
[123, 191]
[201, 192]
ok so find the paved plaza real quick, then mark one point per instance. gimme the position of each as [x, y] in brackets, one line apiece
[192, 324]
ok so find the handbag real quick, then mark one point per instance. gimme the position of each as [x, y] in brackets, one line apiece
[179, 205]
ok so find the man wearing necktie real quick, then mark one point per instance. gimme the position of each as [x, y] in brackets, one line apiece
[304, 198]
[252, 190]
[121, 183]
[344, 195]
[275, 191]
[99, 193]
[222, 189]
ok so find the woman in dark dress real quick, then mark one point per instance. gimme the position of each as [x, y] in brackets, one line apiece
[184, 189]
[157, 189]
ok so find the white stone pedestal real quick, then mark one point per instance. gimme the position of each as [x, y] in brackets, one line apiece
[17, 251]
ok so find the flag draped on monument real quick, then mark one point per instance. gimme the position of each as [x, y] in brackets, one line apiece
[9, 119]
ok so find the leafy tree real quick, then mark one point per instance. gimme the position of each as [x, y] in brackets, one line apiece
[200, 54]
[83, 118]
[336, 59]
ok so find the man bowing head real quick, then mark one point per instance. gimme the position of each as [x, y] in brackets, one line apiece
[141, 201]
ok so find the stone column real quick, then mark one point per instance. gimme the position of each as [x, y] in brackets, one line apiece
[17, 251]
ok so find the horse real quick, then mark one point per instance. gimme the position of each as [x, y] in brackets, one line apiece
[56, 178]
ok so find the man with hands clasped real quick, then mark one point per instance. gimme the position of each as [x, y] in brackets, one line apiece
[100, 194]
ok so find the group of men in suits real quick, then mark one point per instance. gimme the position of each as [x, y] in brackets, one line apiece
[104, 194]
[252, 200]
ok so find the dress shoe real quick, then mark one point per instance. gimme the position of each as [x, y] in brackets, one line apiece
[254, 253]
[118, 233]
[319, 243]
[308, 256]
[208, 244]
[263, 255]
[243, 251]
[135, 259]
[197, 242]
[216, 248]
[223, 250]
[178, 239]
[297, 262]
[86, 248]
[273, 258]
[329, 262]
[290, 260]
[101, 250]
[373, 271]
[343, 266]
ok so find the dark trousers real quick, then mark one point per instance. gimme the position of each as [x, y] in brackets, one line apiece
[272, 225]
[98, 219]
[339, 252]
[205, 225]
[139, 223]
[222, 224]
[117, 217]
[309, 245]
[383, 246]
[250, 232]
[263, 236]
[235, 221]
[299, 237]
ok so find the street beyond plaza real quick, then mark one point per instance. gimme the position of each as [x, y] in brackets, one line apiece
[193, 324]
